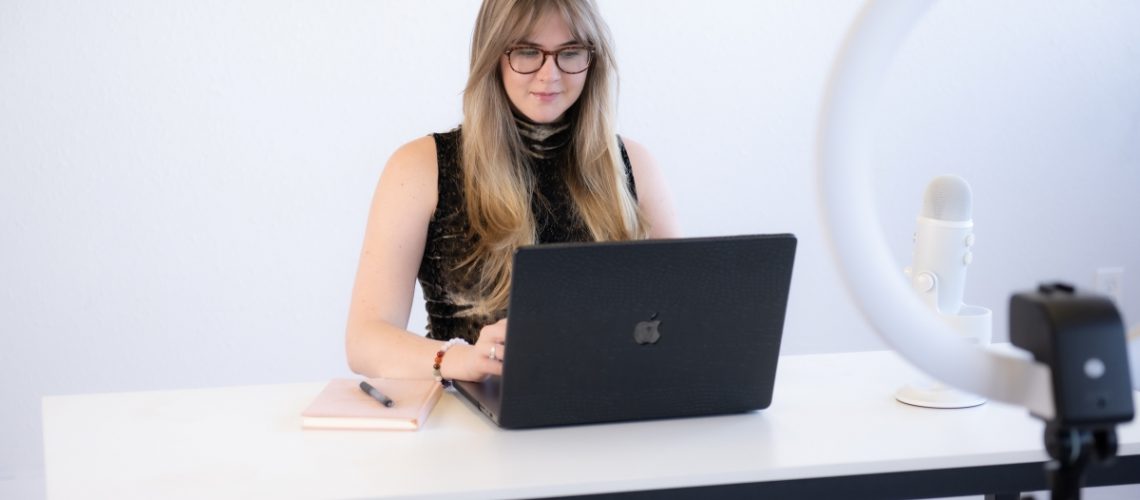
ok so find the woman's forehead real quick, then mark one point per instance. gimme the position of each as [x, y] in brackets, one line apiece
[551, 28]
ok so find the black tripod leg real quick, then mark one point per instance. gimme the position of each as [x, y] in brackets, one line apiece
[1065, 481]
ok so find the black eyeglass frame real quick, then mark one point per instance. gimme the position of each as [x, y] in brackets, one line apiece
[589, 58]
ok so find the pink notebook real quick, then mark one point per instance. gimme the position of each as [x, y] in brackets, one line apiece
[342, 405]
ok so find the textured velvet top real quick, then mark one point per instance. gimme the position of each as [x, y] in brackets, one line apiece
[448, 235]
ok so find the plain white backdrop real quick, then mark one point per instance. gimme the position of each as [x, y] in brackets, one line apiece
[184, 186]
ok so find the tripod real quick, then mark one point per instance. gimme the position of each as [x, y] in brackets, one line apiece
[1072, 449]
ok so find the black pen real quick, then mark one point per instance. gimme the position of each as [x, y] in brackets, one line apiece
[371, 391]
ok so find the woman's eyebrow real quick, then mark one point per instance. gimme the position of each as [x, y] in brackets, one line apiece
[564, 44]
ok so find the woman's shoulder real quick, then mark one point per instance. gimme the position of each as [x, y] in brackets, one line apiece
[417, 151]
[652, 196]
[413, 165]
[424, 154]
[639, 156]
[634, 149]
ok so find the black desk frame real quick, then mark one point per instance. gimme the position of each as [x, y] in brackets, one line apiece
[996, 482]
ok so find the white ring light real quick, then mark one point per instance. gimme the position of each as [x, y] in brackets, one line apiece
[857, 241]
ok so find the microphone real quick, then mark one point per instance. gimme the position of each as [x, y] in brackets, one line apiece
[942, 243]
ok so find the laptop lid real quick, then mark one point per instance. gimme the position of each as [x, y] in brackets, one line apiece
[602, 332]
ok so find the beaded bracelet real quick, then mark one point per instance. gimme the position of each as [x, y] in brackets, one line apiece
[439, 360]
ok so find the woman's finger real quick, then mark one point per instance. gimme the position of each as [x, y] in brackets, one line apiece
[495, 352]
[495, 332]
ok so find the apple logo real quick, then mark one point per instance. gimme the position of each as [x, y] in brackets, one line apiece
[647, 332]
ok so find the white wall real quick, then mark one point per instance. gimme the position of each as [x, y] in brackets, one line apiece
[183, 185]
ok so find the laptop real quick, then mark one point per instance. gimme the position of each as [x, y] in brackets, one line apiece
[637, 330]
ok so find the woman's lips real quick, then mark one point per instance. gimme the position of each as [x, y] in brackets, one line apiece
[545, 96]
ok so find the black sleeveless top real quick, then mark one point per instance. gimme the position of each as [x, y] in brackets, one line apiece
[449, 240]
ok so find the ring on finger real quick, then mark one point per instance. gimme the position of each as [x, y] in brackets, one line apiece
[492, 355]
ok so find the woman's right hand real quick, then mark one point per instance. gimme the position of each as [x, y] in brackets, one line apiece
[474, 362]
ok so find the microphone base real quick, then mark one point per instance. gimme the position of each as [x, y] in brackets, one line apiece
[974, 324]
[937, 396]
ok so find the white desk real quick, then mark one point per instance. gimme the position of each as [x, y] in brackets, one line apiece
[832, 416]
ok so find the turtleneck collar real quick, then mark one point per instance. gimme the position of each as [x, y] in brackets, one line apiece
[544, 140]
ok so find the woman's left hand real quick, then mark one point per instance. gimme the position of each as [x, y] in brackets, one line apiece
[493, 340]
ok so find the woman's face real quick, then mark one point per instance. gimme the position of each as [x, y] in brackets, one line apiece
[545, 95]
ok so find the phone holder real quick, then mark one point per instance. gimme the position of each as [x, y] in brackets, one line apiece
[1081, 338]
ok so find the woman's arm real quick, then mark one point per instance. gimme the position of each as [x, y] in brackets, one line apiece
[652, 193]
[377, 342]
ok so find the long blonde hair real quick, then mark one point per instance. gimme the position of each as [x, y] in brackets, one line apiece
[498, 185]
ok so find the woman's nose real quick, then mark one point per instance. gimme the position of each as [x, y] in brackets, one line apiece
[549, 70]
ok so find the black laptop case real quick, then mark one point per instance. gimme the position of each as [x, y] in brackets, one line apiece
[580, 335]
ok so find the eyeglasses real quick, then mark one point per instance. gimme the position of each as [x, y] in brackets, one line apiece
[570, 60]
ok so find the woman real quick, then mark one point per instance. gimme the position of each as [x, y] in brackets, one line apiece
[536, 160]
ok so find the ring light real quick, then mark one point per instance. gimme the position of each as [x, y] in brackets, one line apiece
[858, 244]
